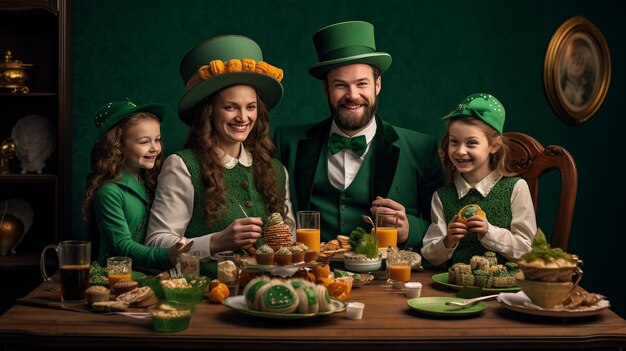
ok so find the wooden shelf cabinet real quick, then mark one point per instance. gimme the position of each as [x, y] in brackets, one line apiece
[37, 32]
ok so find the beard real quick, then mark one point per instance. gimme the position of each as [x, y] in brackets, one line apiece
[346, 122]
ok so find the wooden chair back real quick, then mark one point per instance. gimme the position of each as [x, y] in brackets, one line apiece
[531, 160]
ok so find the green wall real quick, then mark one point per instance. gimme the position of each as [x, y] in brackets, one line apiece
[442, 51]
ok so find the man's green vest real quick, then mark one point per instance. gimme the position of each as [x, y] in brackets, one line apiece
[340, 208]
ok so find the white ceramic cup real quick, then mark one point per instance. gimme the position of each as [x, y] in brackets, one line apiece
[413, 289]
[355, 310]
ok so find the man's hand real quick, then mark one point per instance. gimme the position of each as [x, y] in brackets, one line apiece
[387, 205]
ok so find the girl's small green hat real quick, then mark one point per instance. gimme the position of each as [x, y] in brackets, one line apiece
[482, 106]
[114, 112]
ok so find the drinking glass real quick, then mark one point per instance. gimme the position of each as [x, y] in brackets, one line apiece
[387, 229]
[308, 229]
[398, 267]
[228, 270]
[189, 264]
[119, 268]
[74, 262]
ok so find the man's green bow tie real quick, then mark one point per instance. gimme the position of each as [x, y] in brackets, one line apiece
[338, 143]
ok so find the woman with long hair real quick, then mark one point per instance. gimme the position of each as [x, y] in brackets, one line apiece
[225, 182]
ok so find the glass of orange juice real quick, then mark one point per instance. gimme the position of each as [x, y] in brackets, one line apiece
[119, 268]
[308, 229]
[398, 267]
[387, 229]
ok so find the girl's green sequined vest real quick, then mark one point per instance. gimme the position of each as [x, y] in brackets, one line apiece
[497, 206]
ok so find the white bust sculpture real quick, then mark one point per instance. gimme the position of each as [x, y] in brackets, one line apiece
[35, 140]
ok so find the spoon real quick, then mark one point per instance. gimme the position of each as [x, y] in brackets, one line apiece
[470, 302]
[138, 315]
[328, 259]
[369, 220]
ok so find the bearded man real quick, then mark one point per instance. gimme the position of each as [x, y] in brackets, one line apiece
[354, 163]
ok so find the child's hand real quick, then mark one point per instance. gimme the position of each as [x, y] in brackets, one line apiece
[456, 232]
[178, 248]
[478, 225]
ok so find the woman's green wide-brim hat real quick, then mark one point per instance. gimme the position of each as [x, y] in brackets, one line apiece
[224, 48]
[346, 43]
[114, 112]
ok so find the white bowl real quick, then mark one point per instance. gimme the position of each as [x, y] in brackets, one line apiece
[359, 263]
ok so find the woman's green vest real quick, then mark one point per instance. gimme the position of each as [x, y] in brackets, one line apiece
[239, 182]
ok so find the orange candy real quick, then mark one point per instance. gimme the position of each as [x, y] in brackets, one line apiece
[321, 271]
[324, 281]
[469, 211]
[213, 284]
[340, 289]
[219, 293]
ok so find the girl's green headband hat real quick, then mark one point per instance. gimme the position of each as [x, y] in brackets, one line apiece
[482, 106]
[114, 112]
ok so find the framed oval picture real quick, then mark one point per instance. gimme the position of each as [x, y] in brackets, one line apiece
[577, 70]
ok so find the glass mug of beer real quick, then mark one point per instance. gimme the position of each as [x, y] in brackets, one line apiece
[74, 262]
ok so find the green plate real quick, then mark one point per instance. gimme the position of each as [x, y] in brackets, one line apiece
[436, 306]
[238, 303]
[138, 275]
[442, 278]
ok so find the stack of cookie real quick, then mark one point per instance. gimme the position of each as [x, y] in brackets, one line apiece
[277, 233]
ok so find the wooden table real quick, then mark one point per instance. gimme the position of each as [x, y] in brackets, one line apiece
[387, 323]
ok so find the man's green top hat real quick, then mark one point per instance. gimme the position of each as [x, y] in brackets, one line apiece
[114, 112]
[482, 106]
[222, 62]
[346, 43]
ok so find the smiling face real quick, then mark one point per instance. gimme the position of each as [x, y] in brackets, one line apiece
[141, 145]
[234, 114]
[469, 150]
[352, 96]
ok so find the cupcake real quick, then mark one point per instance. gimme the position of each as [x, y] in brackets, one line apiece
[171, 316]
[283, 256]
[310, 255]
[182, 291]
[297, 252]
[264, 255]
